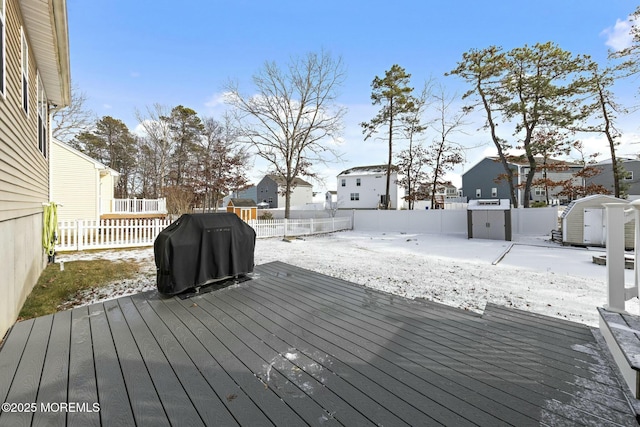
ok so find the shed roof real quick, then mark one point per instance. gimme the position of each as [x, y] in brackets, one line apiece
[242, 203]
[590, 199]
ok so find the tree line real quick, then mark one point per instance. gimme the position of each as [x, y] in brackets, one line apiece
[537, 99]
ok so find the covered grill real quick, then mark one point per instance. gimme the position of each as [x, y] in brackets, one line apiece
[200, 248]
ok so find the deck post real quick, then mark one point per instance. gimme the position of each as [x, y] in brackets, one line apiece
[615, 256]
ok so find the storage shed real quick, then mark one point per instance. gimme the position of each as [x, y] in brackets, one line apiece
[489, 219]
[584, 222]
[246, 209]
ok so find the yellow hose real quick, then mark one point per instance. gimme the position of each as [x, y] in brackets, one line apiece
[50, 228]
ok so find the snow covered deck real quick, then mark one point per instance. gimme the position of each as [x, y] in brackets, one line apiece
[294, 347]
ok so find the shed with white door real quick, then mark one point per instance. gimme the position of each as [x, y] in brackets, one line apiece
[584, 222]
[489, 219]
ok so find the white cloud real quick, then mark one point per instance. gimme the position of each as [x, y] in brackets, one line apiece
[216, 100]
[619, 36]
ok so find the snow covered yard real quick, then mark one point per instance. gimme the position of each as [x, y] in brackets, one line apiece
[533, 274]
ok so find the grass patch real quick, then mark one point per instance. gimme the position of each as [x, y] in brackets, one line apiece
[56, 287]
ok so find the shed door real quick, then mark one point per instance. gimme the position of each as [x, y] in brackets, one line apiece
[593, 226]
[496, 222]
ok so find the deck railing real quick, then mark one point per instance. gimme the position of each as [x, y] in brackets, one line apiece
[618, 293]
[126, 233]
[138, 206]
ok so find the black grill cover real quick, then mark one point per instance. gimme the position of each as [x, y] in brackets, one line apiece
[199, 248]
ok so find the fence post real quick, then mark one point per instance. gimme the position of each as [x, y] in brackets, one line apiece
[79, 234]
[310, 225]
[615, 256]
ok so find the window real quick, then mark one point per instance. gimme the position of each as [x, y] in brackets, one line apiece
[343, 182]
[357, 182]
[478, 193]
[451, 191]
[2, 47]
[25, 71]
[628, 175]
[494, 192]
[42, 118]
[539, 191]
[355, 196]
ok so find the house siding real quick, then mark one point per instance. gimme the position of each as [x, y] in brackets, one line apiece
[605, 177]
[372, 187]
[266, 190]
[482, 176]
[24, 175]
[78, 201]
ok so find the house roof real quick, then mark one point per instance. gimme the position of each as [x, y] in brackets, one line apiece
[242, 203]
[295, 347]
[368, 170]
[297, 181]
[83, 156]
[47, 29]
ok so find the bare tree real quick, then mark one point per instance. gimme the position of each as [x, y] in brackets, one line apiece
[293, 115]
[158, 142]
[72, 119]
[223, 163]
[412, 160]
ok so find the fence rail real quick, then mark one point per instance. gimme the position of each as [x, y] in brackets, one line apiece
[139, 206]
[127, 233]
[298, 227]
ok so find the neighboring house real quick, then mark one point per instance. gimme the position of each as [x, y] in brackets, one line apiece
[331, 200]
[364, 187]
[270, 190]
[482, 181]
[83, 186]
[631, 178]
[34, 60]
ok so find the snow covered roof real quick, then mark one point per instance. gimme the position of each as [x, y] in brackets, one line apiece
[605, 198]
[489, 204]
[368, 170]
[298, 182]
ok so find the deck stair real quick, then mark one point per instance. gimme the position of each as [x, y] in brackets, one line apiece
[621, 331]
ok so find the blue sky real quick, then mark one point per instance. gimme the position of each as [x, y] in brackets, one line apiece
[128, 55]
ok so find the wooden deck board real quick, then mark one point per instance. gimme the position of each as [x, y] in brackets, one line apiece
[294, 347]
[55, 371]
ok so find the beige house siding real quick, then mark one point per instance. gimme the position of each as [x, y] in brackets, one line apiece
[74, 184]
[24, 169]
[24, 172]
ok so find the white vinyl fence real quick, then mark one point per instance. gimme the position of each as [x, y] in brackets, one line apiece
[127, 233]
[108, 233]
[299, 227]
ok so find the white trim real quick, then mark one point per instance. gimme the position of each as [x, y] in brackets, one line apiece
[3, 51]
[24, 71]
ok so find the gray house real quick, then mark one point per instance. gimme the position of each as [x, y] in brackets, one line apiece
[631, 178]
[270, 190]
[483, 181]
